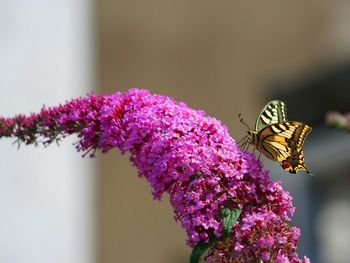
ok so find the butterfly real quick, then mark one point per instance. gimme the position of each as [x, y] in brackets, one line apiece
[279, 139]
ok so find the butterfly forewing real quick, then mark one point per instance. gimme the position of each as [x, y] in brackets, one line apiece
[282, 142]
[274, 112]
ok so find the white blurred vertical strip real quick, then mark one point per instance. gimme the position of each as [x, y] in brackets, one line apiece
[46, 195]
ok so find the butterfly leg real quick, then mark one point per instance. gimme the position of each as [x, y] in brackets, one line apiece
[241, 141]
[242, 145]
[247, 145]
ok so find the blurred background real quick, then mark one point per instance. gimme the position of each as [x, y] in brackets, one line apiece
[225, 57]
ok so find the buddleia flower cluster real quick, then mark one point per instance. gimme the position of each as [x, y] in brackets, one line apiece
[338, 120]
[183, 153]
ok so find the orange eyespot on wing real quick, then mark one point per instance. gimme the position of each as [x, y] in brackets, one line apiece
[295, 162]
[285, 164]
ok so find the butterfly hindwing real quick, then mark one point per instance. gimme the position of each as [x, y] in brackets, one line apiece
[282, 142]
[295, 162]
[274, 112]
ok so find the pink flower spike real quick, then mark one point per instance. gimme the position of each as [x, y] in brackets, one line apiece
[186, 154]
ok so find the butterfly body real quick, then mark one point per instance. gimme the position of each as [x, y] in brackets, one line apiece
[278, 139]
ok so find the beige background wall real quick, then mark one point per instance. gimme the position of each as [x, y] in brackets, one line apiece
[214, 55]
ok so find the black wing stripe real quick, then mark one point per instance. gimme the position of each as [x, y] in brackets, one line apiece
[266, 150]
[273, 112]
[283, 152]
[275, 129]
[265, 119]
[268, 113]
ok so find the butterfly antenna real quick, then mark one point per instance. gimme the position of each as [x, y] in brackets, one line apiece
[242, 121]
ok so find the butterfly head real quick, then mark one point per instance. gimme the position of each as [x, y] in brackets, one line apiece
[253, 137]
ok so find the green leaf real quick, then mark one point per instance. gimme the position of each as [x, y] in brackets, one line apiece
[199, 249]
[230, 217]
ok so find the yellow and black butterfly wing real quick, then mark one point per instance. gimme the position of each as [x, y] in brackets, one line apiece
[295, 162]
[274, 112]
[282, 142]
